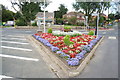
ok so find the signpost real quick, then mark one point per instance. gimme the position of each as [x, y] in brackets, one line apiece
[97, 22]
[38, 24]
[86, 17]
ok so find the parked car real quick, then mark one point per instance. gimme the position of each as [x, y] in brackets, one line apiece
[9, 23]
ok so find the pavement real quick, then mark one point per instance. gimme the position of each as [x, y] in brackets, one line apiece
[21, 60]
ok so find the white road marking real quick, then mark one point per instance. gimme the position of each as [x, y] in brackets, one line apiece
[27, 31]
[13, 38]
[111, 37]
[104, 32]
[16, 48]
[85, 32]
[17, 57]
[2, 76]
[14, 42]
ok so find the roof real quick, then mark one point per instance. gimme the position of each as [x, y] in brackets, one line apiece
[47, 14]
[74, 13]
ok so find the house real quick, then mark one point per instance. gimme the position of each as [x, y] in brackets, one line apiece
[79, 16]
[49, 17]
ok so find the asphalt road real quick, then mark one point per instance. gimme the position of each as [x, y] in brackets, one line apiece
[105, 62]
[21, 60]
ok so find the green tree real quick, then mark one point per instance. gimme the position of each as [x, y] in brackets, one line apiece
[111, 16]
[90, 7]
[62, 10]
[72, 20]
[7, 14]
[28, 10]
[59, 14]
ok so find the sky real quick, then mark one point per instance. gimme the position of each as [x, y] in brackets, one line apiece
[53, 6]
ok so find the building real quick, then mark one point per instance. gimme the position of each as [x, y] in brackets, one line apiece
[49, 17]
[79, 16]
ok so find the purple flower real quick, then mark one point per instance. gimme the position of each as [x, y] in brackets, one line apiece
[81, 55]
[78, 57]
[83, 52]
[48, 44]
[34, 36]
[73, 62]
[59, 52]
[90, 46]
[37, 37]
[54, 48]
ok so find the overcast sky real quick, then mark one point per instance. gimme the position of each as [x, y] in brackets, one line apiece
[51, 7]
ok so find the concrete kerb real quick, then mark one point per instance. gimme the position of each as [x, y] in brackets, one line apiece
[60, 68]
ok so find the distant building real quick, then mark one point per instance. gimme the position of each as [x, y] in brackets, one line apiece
[49, 17]
[79, 16]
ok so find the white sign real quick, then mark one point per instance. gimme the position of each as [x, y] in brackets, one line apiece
[38, 23]
[94, 14]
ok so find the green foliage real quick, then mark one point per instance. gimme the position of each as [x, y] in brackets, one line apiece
[92, 24]
[76, 35]
[91, 7]
[59, 14]
[28, 10]
[50, 30]
[20, 22]
[67, 27]
[111, 16]
[7, 15]
[34, 24]
[72, 20]
[67, 40]
[91, 33]
[80, 24]
[62, 10]
[59, 21]
[101, 19]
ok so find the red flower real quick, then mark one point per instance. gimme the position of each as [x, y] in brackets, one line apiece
[65, 51]
[72, 55]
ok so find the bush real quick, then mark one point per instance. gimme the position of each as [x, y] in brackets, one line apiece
[20, 22]
[67, 40]
[91, 33]
[50, 30]
[34, 24]
[80, 24]
[67, 27]
[92, 24]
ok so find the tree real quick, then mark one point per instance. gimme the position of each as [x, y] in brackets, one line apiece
[111, 16]
[59, 14]
[90, 7]
[117, 15]
[62, 10]
[27, 10]
[7, 15]
[72, 20]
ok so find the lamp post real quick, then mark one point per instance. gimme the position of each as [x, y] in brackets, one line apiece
[44, 16]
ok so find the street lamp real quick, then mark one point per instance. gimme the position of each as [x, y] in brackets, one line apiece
[44, 16]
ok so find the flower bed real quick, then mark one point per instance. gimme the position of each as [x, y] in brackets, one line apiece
[73, 53]
[61, 33]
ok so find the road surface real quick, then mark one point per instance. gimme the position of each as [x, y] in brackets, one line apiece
[21, 60]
